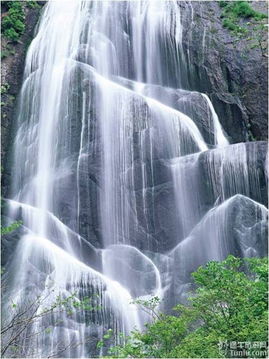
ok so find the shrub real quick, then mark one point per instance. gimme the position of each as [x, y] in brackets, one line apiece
[4, 88]
[230, 25]
[223, 3]
[19, 26]
[11, 34]
[33, 4]
[13, 23]
[7, 51]
[14, 5]
[243, 9]
[229, 304]
[234, 10]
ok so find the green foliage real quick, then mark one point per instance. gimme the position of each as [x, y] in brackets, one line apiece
[17, 5]
[229, 304]
[223, 3]
[233, 11]
[10, 228]
[13, 23]
[229, 300]
[7, 51]
[243, 9]
[108, 334]
[238, 9]
[33, 5]
[198, 344]
[229, 24]
[11, 34]
[4, 88]
[149, 306]
[72, 304]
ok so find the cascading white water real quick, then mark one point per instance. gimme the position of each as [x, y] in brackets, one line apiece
[117, 180]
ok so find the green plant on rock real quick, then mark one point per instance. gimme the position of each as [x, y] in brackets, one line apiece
[260, 40]
[33, 5]
[7, 51]
[17, 5]
[243, 9]
[4, 88]
[12, 227]
[12, 35]
[229, 24]
[13, 22]
[234, 11]
[239, 9]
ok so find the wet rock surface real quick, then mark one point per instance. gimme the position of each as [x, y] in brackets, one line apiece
[231, 69]
[12, 68]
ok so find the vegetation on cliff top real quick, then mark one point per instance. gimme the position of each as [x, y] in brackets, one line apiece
[13, 22]
[233, 11]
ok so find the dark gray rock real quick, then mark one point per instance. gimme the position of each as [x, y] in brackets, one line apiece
[163, 208]
[232, 70]
[235, 227]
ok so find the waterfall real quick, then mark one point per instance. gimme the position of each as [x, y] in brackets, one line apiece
[124, 179]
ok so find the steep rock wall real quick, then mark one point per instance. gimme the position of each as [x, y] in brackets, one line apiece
[231, 68]
[12, 67]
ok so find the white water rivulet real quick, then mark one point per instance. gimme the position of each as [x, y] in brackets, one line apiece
[123, 178]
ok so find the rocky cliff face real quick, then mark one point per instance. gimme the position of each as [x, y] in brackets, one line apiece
[12, 66]
[231, 68]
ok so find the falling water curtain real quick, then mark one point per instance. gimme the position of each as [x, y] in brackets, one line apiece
[125, 174]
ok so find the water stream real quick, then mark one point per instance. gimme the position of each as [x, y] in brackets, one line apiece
[125, 181]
